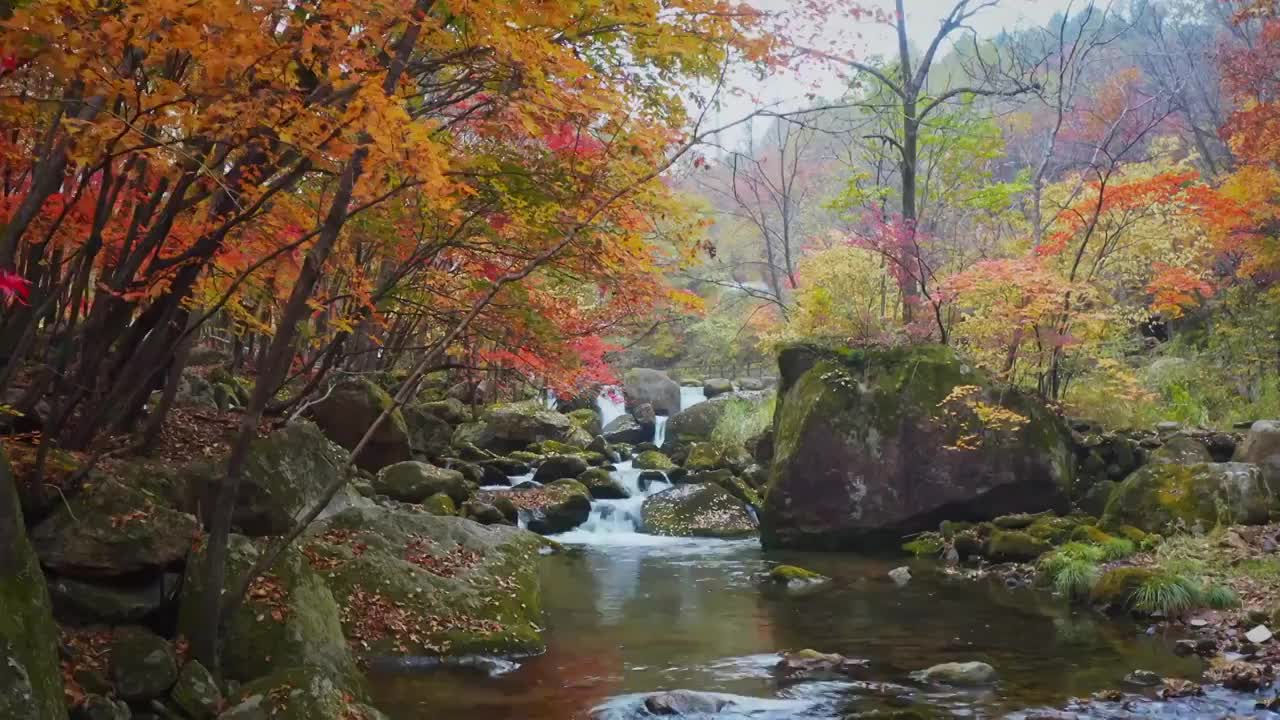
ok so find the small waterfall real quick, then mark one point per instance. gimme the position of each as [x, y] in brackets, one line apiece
[616, 521]
[610, 404]
[660, 430]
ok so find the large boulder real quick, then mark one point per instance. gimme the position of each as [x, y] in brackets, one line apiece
[588, 419]
[560, 507]
[642, 385]
[414, 482]
[1262, 448]
[603, 485]
[110, 530]
[121, 602]
[30, 675]
[626, 429]
[702, 510]
[1181, 450]
[285, 474]
[698, 422]
[290, 617]
[347, 413]
[430, 434]
[557, 467]
[1162, 497]
[874, 444]
[143, 664]
[412, 584]
[515, 426]
[299, 693]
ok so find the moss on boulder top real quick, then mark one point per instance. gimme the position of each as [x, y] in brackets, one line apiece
[871, 444]
[1015, 546]
[1117, 587]
[347, 413]
[414, 482]
[702, 510]
[30, 675]
[1162, 497]
[412, 584]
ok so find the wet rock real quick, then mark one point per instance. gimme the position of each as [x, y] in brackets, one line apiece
[1165, 497]
[1177, 688]
[347, 413]
[560, 466]
[196, 693]
[143, 664]
[643, 385]
[110, 530]
[681, 703]
[900, 576]
[603, 485]
[414, 482]
[959, 674]
[1238, 675]
[570, 506]
[697, 511]
[648, 477]
[855, 427]
[811, 665]
[716, 386]
[795, 578]
[1143, 678]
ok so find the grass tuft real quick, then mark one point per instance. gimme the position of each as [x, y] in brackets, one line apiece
[1166, 593]
[1221, 597]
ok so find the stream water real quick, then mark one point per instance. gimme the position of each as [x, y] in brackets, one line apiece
[630, 614]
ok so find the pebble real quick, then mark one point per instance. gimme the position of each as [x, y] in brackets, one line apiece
[1258, 635]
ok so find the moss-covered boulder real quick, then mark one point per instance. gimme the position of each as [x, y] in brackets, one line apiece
[430, 434]
[702, 510]
[299, 693]
[1053, 529]
[714, 456]
[347, 413]
[285, 474]
[117, 601]
[654, 387]
[1262, 448]
[652, 460]
[1015, 546]
[514, 426]
[1116, 588]
[440, 505]
[874, 444]
[290, 617]
[411, 584]
[697, 422]
[925, 545]
[30, 675]
[603, 485]
[737, 487]
[588, 419]
[109, 530]
[791, 577]
[1181, 450]
[1161, 497]
[143, 664]
[414, 482]
[559, 507]
[196, 692]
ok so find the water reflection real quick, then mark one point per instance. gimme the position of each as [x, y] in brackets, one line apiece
[628, 620]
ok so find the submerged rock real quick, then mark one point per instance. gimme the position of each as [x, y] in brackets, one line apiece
[1164, 497]
[697, 511]
[959, 674]
[30, 675]
[900, 576]
[864, 455]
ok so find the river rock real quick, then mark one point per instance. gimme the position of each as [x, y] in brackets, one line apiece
[299, 693]
[568, 506]
[697, 511]
[1258, 635]
[643, 385]
[459, 587]
[1165, 496]
[750, 384]
[864, 455]
[109, 530]
[958, 674]
[626, 429]
[795, 578]
[1143, 678]
[681, 703]
[1262, 448]
[560, 466]
[143, 664]
[196, 692]
[30, 675]
[652, 460]
[716, 386]
[347, 413]
[483, 513]
[603, 485]
[811, 665]
[697, 422]
[285, 474]
[414, 482]
[289, 618]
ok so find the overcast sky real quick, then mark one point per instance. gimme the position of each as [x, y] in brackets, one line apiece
[870, 39]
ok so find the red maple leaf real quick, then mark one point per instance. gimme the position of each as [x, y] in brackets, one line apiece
[14, 287]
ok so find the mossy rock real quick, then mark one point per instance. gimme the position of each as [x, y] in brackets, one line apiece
[603, 485]
[143, 664]
[702, 510]
[652, 460]
[1133, 534]
[792, 577]
[925, 545]
[515, 426]
[738, 488]
[587, 419]
[414, 482]
[289, 619]
[1117, 586]
[429, 434]
[347, 413]
[525, 457]
[1166, 497]
[30, 674]
[109, 530]
[1015, 546]
[1017, 521]
[864, 455]
[299, 693]
[464, 588]
[1052, 529]
[1181, 450]
[196, 692]
[556, 467]
[440, 505]
[1091, 534]
[569, 506]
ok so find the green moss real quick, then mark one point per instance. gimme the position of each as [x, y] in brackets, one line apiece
[653, 460]
[1132, 534]
[1015, 546]
[786, 574]
[440, 504]
[951, 528]
[1052, 529]
[1091, 534]
[1118, 587]
[925, 545]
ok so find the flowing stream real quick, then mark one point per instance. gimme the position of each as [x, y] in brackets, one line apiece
[630, 614]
